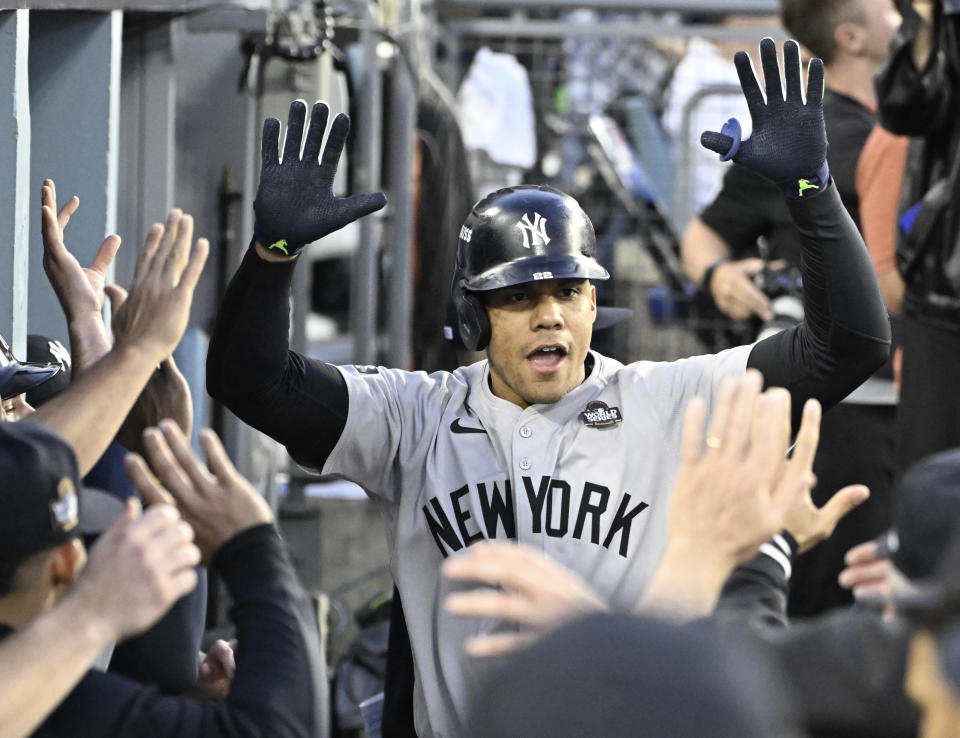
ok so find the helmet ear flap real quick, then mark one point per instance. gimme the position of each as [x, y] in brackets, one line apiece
[472, 320]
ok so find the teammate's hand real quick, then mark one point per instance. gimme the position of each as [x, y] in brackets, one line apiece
[295, 203]
[217, 667]
[138, 568]
[806, 522]
[870, 575]
[167, 394]
[154, 315]
[216, 501]
[534, 591]
[79, 289]
[732, 491]
[734, 292]
[789, 141]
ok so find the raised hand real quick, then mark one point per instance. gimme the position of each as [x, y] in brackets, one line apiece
[789, 141]
[79, 289]
[154, 315]
[870, 574]
[295, 203]
[733, 489]
[216, 501]
[535, 592]
[216, 670]
[167, 394]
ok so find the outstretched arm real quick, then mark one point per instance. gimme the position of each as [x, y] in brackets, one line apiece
[279, 684]
[135, 572]
[81, 294]
[845, 335]
[297, 401]
[90, 412]
[80, 290]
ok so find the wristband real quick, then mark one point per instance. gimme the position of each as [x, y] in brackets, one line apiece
[782, 548]
[797, 189]
[708, 274]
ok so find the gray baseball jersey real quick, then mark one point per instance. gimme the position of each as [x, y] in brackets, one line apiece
[586, 479]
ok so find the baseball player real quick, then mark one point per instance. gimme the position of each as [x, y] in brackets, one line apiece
[545, 442]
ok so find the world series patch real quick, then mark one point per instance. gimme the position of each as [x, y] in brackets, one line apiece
[598, 415]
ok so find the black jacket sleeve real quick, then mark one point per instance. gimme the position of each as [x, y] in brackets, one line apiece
[756, 592]
[300, 402]
[846, 670]
[279, 689]
[845, 335]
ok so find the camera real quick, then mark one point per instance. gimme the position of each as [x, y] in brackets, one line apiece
[784, 287]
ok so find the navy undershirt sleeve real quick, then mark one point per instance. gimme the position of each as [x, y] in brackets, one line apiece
[300, 402]
[845, 335]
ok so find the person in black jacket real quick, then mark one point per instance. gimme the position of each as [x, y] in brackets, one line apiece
[279, 685]
[918, 92]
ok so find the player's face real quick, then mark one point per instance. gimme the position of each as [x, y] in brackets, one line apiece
[539, 337]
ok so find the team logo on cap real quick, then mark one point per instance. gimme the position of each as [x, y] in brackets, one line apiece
[65, 510]
[598, 415]
[466, 233]
[59, 352]
[532, 232]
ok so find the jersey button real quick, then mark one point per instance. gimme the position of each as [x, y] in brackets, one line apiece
[525, 432]
[525, 463]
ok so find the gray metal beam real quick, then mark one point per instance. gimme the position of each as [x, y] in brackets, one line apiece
[521, 27]
[686, 6]
[75, 100]
[15, 184]
[402, 131]
[683, 196]
[366, 163]
[147, 170]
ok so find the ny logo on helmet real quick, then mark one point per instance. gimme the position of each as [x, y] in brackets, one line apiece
[533, 231]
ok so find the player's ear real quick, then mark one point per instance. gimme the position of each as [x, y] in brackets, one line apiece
[593, 300]
[67, 561]
[848, 37]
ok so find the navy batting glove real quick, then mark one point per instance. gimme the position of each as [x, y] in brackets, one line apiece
[789, 141]
[295, 203]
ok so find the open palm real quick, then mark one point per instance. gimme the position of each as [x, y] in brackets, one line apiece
[79, 289]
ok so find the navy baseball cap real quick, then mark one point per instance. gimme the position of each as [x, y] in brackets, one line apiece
[626, 675]
[927, 515]
[16, 377]
[41, 501]
[934, 604]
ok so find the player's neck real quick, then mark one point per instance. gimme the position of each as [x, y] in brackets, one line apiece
[853, 77]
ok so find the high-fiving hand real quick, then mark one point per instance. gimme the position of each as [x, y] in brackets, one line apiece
[789, 141]
[213, 498]
[295, 203]
[79, 289]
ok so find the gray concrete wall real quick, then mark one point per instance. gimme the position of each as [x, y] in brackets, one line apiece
[74, 97]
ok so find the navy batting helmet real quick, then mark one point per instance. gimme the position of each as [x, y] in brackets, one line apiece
[517, 235]
[16, 377]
